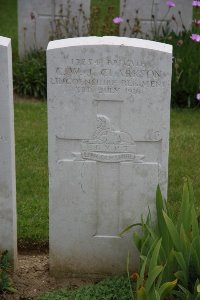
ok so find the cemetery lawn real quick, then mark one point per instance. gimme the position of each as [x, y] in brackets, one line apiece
[8, 22]
[32, 171]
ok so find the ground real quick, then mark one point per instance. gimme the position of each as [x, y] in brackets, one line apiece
[32, 278]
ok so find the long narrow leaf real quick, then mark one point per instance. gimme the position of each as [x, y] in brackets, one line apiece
[128, 228]
[195, 226]
[166, 288]
[191, 191]
[180, 275]
[172, 231]
[141, 294]
[160, 208]
[184, 215]
[183, 265]
[142, 271]
[154, 258]
[153, 274]
[185, 242]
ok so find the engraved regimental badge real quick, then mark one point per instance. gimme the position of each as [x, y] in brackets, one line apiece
[108, 145]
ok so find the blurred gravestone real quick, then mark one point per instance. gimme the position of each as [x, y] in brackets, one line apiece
[108, 116]
[161, 15]
[42, 20]
[8, 235]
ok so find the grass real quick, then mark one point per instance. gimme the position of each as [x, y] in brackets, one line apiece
[31, 169]
[184, 159]
[8, 22]
[31, 163]
[116, 288]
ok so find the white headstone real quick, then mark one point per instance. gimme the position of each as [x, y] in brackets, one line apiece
[157, 8]
[8, 235]
[108, 124]
[37, 21]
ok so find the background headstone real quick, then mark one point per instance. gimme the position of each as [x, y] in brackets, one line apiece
[159, 9]
[37, 21]
[108, 127]
[8, 235]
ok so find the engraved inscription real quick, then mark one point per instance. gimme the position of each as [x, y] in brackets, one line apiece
[108, 75]
[118, 157]
[3, 138]
[108, 145]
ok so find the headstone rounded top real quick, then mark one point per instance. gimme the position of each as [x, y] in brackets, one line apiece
[109, 40]
[108, 129]
[4, 41]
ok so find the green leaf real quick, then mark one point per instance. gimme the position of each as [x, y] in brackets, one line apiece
[170, 266]
[185, 242]
[146, 242]
[195, 225]
[185, 211]
[195, 253]
[155, 253]
[191, 191]
[166, 288]
[151, 232]
[185, 291]
[172, 231]
[160, 207]
[129, 227]
[180, 275]
[137, 240]
[180, 259]
[142, 271]
[157, 295]
[141, 293]
[153, 274]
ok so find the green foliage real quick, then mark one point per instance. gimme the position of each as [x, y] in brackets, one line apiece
[186, 70]
[169, 251]
[115, 288]
[150, 285]
[30, 75]
[5, 281]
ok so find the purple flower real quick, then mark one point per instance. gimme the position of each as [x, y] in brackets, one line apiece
[198, 96]
[117, 20]
[196, 3]
[197, 22]
[170, 4]
[195, 37]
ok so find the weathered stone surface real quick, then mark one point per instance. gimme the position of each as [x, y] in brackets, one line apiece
[37, 21]
[159, 10]
[8, 235]
[108, 123]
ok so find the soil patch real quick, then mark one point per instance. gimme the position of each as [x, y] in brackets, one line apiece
[32, 278]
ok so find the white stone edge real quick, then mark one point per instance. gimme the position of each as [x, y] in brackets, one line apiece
[4, 41]
[109, 40]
